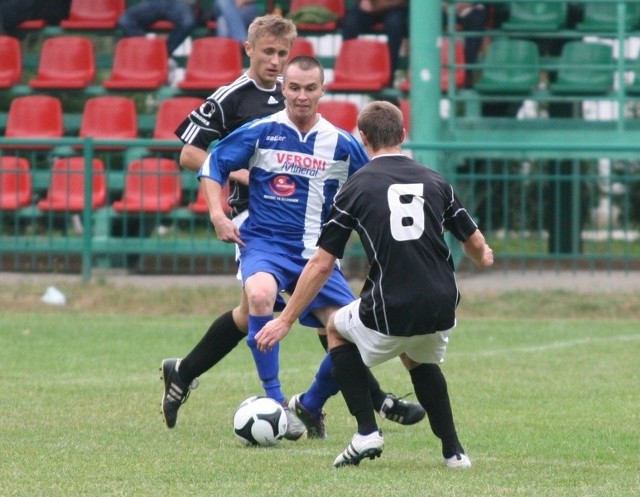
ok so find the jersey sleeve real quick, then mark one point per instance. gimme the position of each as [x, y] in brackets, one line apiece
[336, 232]
[232, 153]
[358, 154]
[456, 218]
[203, 125]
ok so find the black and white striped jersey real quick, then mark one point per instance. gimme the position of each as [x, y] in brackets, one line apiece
[225, 110]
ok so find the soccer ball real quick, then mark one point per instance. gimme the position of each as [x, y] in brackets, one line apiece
[259, 421]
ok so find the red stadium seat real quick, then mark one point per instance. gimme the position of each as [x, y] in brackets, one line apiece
[15, 183]
[66, 62]
[93, 14]
[362, 65]
[109, 117]
[171, 113]
[199, 205]
[34, 116]
[66, 187]
[340, 113]
[334, 6]
[139, 63]
[151, 185]
[10, 62]
[301, 46]
[213, 62]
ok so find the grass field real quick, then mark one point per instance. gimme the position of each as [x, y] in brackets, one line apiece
[548, 405]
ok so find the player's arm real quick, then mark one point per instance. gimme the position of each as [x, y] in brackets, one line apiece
[314, 275]
[192, 157]
[477, 250]
[226, 230]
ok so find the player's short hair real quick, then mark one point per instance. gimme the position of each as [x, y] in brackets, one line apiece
[306, 63]
[382, 123]
[272, 25]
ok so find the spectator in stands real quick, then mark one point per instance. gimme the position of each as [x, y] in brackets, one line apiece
[472, 17]
[234, 16]
[392, 14]
[51, 11]
[14, 12]
[137, 19]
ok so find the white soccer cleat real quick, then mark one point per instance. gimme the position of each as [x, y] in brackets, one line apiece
[459, 460]
[361, 446]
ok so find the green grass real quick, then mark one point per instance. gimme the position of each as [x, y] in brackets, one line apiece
[545, 407]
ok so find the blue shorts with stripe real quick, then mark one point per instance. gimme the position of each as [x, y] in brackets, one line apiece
[286, 269]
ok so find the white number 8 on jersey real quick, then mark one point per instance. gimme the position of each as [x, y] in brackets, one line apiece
[407, 218]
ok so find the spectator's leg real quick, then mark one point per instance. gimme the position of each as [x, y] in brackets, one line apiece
[136, 20]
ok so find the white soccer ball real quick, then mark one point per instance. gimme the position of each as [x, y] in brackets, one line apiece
[260, 421]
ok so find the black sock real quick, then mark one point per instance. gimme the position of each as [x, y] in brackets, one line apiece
[220, 339]
[351, 375]
[378, 396]
[430, 387]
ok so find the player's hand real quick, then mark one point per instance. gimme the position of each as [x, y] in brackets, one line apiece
[487, 257]
[270, 334]
[226, 230]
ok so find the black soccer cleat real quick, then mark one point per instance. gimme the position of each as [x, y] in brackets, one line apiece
[400, 411]
[176, 392]
[313, 422]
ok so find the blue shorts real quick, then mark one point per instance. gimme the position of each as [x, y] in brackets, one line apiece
[336, 292]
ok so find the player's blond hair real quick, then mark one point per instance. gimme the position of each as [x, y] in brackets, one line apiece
[382, 122]
[272, 25]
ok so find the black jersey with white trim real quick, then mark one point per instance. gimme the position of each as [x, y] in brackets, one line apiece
[401, 209]
[225, 110]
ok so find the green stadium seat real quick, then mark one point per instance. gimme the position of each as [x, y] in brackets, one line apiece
[535, 16]
[584, 69]
[510, 67]
[603, 17]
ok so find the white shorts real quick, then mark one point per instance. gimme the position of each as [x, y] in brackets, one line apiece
[376, 348]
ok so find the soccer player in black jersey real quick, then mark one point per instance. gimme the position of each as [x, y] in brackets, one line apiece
[257, 93]
[400, 209]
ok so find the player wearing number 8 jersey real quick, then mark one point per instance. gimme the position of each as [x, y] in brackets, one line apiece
[400, 209]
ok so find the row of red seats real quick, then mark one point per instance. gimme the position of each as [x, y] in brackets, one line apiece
[152, 185]
[115, 117]
[104, 117]
[140, 63]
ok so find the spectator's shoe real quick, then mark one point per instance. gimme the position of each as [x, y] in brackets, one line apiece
[399, 410]
[295, 427]
[459, 460]
[313, 422]
[361, 446]
[176, 392]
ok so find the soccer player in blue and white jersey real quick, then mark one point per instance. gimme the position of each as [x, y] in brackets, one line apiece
[297, 162]
[255, 94]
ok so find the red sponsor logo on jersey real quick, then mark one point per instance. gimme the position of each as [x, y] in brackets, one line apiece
[283, 186]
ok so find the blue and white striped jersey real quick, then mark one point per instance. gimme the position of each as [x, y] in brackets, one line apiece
[293, 179]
